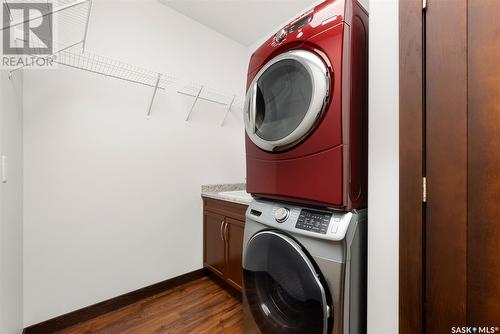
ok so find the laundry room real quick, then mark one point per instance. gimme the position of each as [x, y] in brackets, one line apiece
[249, 166]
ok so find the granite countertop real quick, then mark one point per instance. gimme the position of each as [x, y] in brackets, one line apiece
[235, 192]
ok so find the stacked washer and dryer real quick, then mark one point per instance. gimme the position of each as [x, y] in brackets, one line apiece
[304, 252]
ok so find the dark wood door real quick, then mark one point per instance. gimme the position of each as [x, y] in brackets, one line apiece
[411, 167]
[483, 176]
[450, 264]
[214, 242]
[234, 237]
[463, 164]
[446, 157]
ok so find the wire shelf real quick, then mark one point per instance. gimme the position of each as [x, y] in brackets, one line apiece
[68, 28]
[112, 68]
[201, 92]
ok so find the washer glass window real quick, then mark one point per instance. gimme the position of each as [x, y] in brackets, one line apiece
[283, 291]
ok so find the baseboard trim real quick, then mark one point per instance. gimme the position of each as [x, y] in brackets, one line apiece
[70, 319]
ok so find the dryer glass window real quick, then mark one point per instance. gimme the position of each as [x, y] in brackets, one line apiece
[284, 93]
[282, 289]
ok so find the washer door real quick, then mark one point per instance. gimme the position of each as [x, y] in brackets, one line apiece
[286, 99]
[282, 287]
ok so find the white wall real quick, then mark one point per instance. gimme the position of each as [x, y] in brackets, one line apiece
[383, 196]
[11, 228]
[112, 200]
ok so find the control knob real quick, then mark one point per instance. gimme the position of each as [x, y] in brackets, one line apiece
[280, 35]
[281, 214]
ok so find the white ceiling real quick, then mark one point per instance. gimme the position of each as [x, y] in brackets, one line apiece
[245, 21]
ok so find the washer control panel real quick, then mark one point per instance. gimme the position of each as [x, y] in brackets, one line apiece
[314, 221]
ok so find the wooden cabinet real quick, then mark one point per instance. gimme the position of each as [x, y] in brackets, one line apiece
[223, 228]
[215, 253]
[234, 246]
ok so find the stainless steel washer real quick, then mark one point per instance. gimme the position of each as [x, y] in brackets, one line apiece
[304, 270]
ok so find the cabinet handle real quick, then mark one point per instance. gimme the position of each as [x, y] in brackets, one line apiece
[225, 232]
[221, 230]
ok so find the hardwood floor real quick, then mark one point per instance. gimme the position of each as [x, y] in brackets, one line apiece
[200, 306]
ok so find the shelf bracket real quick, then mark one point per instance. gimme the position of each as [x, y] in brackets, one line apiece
[228, 110]
[194, 103]
[148, 115]
[84, 42]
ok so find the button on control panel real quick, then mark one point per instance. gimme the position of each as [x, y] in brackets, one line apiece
[313, 221]
[335, 225]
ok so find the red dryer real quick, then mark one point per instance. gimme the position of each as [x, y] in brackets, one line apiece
[306, 109]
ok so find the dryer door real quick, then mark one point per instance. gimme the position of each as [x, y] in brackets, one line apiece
[285, 293]
[286, 99]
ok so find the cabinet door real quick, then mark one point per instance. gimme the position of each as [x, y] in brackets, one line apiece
[213, 243]
[234, 236]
